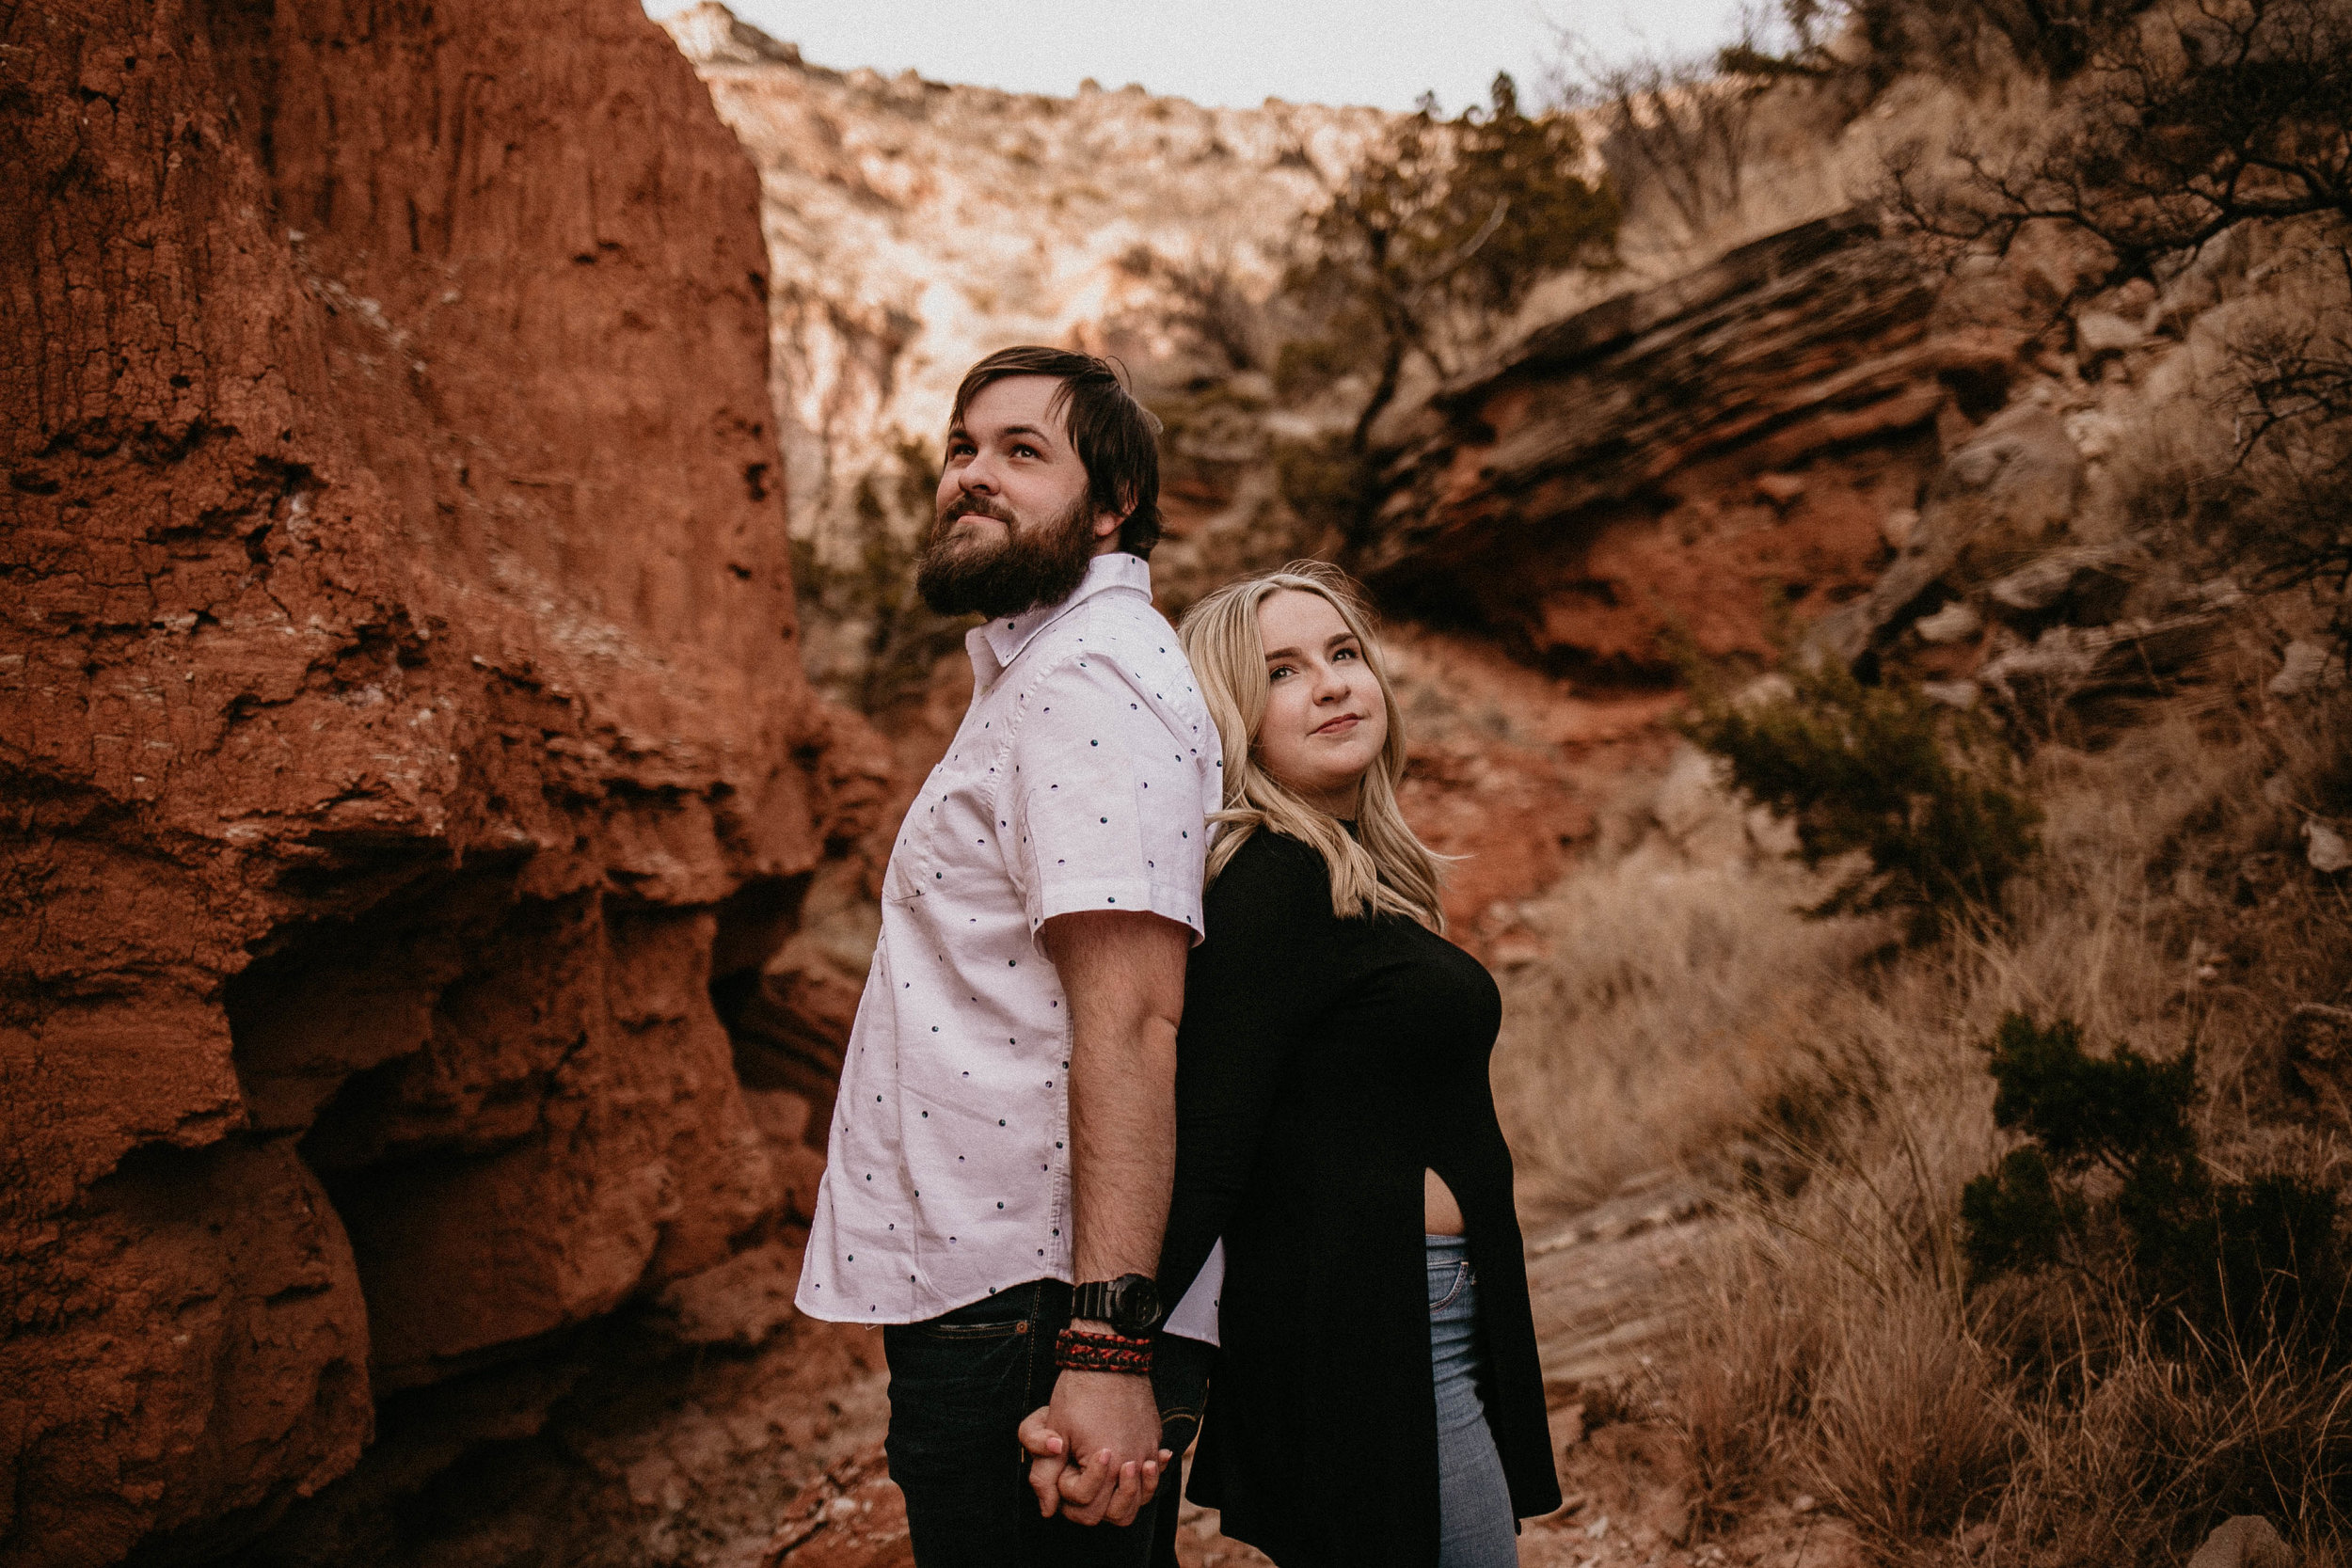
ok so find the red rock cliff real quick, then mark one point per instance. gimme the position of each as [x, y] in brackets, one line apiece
[401, 724]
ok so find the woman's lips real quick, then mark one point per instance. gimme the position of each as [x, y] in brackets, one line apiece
[1341, 725]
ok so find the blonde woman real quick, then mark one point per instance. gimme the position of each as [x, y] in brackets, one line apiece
[1377, 1399]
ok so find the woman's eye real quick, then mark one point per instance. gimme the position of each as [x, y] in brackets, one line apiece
[1344, 653]
[1278, 671]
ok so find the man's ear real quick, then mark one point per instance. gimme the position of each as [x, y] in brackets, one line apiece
[1107, 524]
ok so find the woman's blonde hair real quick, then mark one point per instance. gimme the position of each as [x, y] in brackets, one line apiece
[1383, 865]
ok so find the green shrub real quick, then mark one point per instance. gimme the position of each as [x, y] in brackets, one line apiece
[2222, 1261]
[1881, 770]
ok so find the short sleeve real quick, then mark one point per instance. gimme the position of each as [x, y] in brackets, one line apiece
[1107, 800]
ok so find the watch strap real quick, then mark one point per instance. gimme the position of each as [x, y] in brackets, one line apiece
[1116, 1302]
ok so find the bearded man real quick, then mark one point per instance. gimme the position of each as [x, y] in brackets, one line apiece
[1001, 1152]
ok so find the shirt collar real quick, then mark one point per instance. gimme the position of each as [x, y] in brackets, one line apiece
[1005, 636]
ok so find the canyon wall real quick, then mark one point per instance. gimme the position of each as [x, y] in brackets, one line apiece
[402, 727]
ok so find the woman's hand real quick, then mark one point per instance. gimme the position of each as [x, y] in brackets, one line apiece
[1049, 1465]
[1045, 1447]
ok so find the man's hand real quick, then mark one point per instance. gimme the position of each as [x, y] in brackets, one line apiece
[1109, 1465]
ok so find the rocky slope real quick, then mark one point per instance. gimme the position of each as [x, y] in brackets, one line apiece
[1682, 455]
[401, 725]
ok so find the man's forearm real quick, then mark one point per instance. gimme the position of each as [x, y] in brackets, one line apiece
[1123, 977]
[1122, 1146]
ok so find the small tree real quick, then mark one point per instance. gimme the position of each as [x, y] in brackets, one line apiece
[1680, 129]
[1878, 771]
[2235, 110]
[2226, 1261]
[2290, 393]
[2228, 112]
[1440, 218]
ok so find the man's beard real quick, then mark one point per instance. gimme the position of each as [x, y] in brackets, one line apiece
[1043, 567]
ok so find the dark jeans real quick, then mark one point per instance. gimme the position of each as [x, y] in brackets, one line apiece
[959, 1386]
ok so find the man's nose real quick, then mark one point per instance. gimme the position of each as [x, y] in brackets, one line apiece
[979, 475]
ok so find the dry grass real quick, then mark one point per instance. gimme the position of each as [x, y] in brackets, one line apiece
[1668, 1019]
[1687, 1010]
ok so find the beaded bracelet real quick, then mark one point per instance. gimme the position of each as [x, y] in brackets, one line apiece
[1079, 1352]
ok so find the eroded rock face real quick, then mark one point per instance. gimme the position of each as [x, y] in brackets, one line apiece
[1684, 455]
[401, 721]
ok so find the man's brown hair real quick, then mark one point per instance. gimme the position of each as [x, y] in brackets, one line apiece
[1114, 435]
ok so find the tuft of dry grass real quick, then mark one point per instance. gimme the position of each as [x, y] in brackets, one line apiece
[1667, 1020]
[2156, 1451]
[1836, 1351]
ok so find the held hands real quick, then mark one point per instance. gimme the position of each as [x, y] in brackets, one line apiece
[1094, 1453]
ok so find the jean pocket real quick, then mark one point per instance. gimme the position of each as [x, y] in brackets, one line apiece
[1445, 1283]
[966, 1334]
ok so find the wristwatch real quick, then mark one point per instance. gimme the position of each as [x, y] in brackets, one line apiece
[1130, 1304]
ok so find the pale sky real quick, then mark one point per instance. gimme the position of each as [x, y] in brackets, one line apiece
[1234, 53]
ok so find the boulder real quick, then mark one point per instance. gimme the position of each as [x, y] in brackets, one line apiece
[2324, 847]
[2306, 667]
[2099, 334]
[2016, 479]
[2315, 1060]
[742, 1302]
[2088, 582]
[2067, 664]
[1954, 623]
[1994, 504]
[1679, 454]
[2244, 1541]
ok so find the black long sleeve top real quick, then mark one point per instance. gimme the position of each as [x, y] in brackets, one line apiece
[1322, 1065]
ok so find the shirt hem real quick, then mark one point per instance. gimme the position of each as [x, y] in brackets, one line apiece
[876, 1320]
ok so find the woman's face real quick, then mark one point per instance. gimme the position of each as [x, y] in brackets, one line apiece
[1324, 718]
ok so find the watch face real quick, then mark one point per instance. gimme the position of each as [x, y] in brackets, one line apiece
[1134, 1304]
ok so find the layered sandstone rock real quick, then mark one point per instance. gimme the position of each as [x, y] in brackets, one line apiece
[401, 724]
[1689, 458]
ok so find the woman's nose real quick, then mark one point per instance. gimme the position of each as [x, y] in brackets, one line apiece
[1330, 687]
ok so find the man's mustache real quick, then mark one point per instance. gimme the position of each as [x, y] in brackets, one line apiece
[970, 505]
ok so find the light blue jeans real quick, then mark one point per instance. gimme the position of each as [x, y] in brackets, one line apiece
[1475, 1529]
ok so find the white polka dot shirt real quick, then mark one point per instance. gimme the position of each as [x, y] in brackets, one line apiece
[1079, 779]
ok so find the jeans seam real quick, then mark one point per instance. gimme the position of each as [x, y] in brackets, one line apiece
[1037, 1333]
[1461, 1278]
